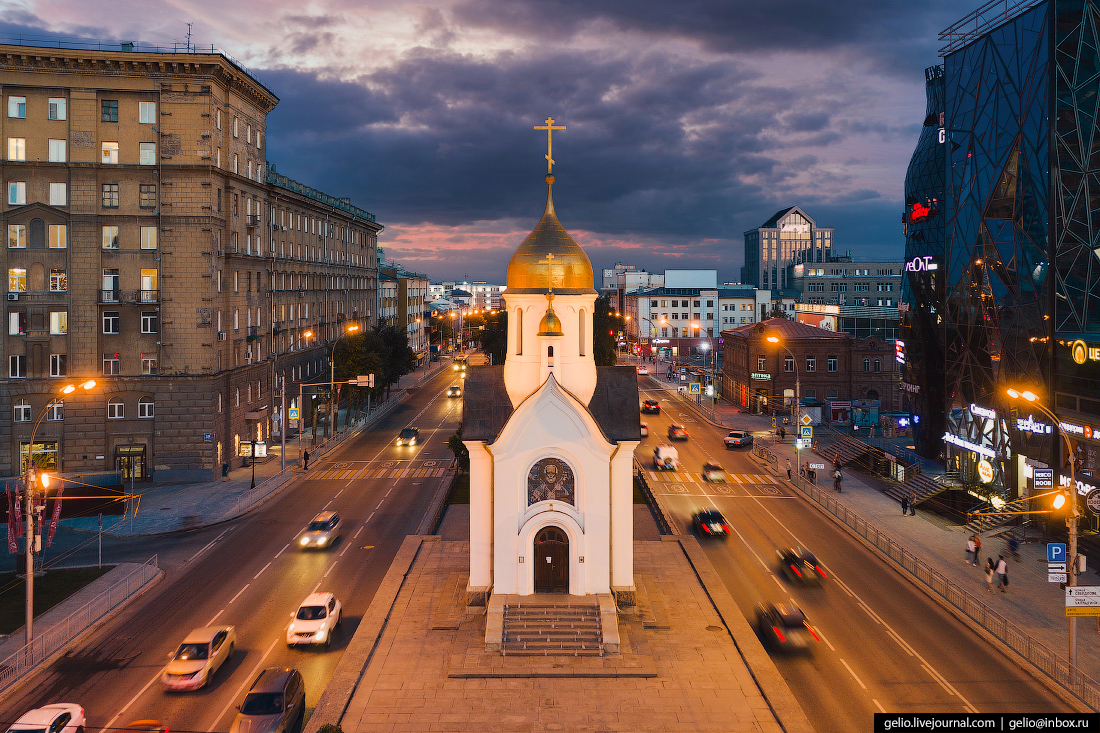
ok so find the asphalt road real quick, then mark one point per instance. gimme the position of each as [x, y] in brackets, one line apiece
[249, 573]
[885, 646]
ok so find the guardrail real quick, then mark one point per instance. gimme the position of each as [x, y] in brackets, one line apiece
[761, 449]
[663, 519]
[57, 636]
[1056, 667]
[254, 496]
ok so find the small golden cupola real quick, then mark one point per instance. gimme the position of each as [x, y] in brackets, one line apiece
[550, 325]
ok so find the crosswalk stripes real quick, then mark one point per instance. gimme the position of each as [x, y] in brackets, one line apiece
[370, 472]
[679, 477]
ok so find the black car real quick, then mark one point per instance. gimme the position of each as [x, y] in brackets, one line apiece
[709, 523]
[800, 566]
[409, 436]
[783, 627]
[652, 407]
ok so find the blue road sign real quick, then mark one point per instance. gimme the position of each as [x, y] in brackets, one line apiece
[1056, 552]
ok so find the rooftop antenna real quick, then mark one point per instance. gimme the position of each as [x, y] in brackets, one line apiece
[189, 37]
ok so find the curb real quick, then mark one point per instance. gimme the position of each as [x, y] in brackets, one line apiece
[438, 505]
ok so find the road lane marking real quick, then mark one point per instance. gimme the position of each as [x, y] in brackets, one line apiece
[380, 504]
[242, 590]
[346, 548]
[282, 550]
[854, 676]
[330, 567]
[201, 551]
[211, 621]
[265, 567]
[937, 679]
[388, 492]
[877, 705]
[371, 515]
[831, 647]
[125, 707]
[358, 531]
[247, 681]
[340, 491]
[870, 613]
[326, 506]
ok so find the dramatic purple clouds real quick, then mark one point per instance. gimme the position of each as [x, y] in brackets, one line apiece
[689, 122]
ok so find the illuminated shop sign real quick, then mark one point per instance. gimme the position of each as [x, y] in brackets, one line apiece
[1082, 352]
[985, 471]
[660, 341]
[1082, 487]
[761, 375]
[983, 412]
[1029, 425]
[1071, 429]
[899, 351]
[921, 264]
[914, 388]
[981, 450]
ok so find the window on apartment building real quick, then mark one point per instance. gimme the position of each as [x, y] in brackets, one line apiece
[17, 367]
[258, 138]
[109, 154]
[17, 279]
[149, 287]
[761, 363]
[145, 408]
[17, 107]
[17, 236]
[218, 160]
[788, 364]
[17, 148]
[116, 409]
[59, 194]
[235, 164]
[59, 281]
[59, 366]
[833, 363]
[59, 323]
[236, 319]
[110, 364]
[148, 237]
[56, 108]
[249, 169]
[17, 323]
[149, 321]
[109, 109]
[878, 365]
[110, 237]
[17, 193]
[111, 322]
[56, 411]
[148, 193]
[664, 331]
[147, 153]
[57, 151]
[830, 394]
[110, 195]
[235, 129]
[811, 363]
[149, 364]
[147, 113]
[58, 236]
[218, 118]
[21, 412]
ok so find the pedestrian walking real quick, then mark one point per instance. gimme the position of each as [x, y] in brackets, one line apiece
[990, 568]
[225, 471]
[971, 551]
[913, 503]
[305, 461]
[1014, 547]
[978, 549]
[783, 433]
[836, 480]
[904, 504]
[788, 469]
[1002, 573]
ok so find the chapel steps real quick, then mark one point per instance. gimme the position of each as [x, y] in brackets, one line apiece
[552, 630]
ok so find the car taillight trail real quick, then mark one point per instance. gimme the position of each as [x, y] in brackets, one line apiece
[796, 571]
[779, 633]
[820, 570]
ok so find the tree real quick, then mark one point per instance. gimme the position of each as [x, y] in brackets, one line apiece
[778, 312]
[494, 339]
[462, 453]
[604, 326]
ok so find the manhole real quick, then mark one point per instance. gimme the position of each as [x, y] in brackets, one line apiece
[715, 628]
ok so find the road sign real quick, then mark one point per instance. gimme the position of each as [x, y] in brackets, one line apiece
[773, 421]
[292, 413]
[806, 419]
[1056, 552]
[695, 388]
[208, 437]
[807, 431]
[1057, 578]
[1056, 567]
[1083, 595]
[799, 444]
[364, 380]
[1082, 610]
[1043, 478]
[817, 466]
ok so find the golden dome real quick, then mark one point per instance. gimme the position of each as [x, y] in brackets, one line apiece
[571, 271]
[550, 325]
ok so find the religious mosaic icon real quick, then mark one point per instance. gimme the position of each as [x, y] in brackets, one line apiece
[551, 479]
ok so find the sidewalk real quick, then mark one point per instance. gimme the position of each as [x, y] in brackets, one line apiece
[191, 499]
[1031, 603]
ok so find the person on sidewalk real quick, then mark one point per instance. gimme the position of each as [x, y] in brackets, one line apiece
[788, 469]
[904, 504]
[782, 433]
[836, 480]
[990, 567]
[1002, 573]
[971, 551]
[305, 461]
[978, 548]
[912, 503]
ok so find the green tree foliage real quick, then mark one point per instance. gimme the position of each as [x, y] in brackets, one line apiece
[383, 352]
[462, 453]
[605, 325]
[494, 339]
[778, 312]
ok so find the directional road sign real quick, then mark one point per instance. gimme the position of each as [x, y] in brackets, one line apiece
[1057, 578]
[1056, 552]
[1082, 610]
[1083, 595]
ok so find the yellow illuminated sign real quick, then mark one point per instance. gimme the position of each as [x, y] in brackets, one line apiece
[985, 471]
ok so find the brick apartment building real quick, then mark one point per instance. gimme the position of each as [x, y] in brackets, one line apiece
[151, 247]
[830, 366]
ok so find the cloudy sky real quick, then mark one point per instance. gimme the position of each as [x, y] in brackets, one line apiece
[689, 121]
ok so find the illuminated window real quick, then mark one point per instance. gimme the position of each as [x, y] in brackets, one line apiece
[59, 236]
[17, 236]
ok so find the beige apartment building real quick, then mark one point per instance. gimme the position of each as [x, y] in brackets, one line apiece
[150, 247]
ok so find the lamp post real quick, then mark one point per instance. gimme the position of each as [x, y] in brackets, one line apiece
[30, 478]
[797, 401]
[1072, 515]
[714, 366]
[282, 459]
[332, 378]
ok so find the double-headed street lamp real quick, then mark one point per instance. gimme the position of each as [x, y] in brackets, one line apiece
[1060, 500]
[714, 358]
[797, 400]
[31, 478]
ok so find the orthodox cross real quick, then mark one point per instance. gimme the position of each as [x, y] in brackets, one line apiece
[549, 262]
[549, 126]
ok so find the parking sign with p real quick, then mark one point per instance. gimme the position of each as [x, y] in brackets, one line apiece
[1056, 552]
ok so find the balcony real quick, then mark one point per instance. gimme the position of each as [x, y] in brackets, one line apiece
[252, 220]
[148, 296]
[110, 296]
[254, 333]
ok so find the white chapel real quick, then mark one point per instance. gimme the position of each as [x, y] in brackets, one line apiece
[551, 437]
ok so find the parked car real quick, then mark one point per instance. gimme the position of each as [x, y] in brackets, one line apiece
[409, 436]
[710, 523]
[198, 658]
[665, 458]
[645, 430]
[651, 407]
[800, 566]
[783, 626]
[677, 432]
[322, 532]
[454, 391]
[737, 439]
[315, 621]
[275, 703]
[59, 717]
[714, 472]
[643, 369]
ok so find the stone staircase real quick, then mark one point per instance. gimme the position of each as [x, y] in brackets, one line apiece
[552, 630]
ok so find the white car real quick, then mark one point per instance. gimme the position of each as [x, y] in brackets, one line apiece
[322, 532]
[60, 717]
[643, 369]
[199, 658]
[645, 430]
[315, 620]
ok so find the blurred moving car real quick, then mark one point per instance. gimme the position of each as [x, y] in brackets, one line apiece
[275, 703]
[677, 432]
[709, 523]
[651, 407]
[800, 566]
[315, 621]
[460, 363]
[783, 626]
[454, 391]
[737, 439]
[714, 472]
[199, 658]
[322, 531]
[645, 430]
[59, 717]
[643, 369]
[408, 436]
[665, 458]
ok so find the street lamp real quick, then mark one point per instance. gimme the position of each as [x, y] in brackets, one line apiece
[714, 364]
[283, 419]
[30, 478]
[1071, 495]
[797, 400]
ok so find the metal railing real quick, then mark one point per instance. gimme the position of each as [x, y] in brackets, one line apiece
[1049, 663]
[57, 636]
[254, 496]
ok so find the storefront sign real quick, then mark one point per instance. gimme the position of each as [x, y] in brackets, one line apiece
[1072, 429]
[762, 376]
[914, 388]
[1082, 487]
[983, 412]
[981, 450]
[1029, 425]
[985, 471]
[921, 264]
[1082, 352]
[660, 341]
[1092, 501]
[899, 351]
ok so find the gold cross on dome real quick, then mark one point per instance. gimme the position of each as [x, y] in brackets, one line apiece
[549, 262]
[549, 126]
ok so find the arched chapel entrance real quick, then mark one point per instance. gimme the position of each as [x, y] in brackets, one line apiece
[551, 557]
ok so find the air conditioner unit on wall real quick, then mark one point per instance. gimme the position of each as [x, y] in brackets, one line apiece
[13, 296]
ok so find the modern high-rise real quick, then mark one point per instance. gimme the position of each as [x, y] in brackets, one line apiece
[790, 237]
[151, 246]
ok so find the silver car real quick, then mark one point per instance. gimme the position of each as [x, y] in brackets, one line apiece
[322, 532]
[275, 703]
[199, 658]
